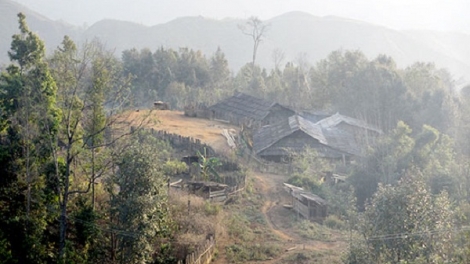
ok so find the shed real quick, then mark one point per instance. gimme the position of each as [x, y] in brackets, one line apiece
[243, 108]
[306, 204]
[159, 105]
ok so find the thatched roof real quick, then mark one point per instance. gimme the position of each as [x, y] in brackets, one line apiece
[336, 119]
[333, 142]
[245, 106]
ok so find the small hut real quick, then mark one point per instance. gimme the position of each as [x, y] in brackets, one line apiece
[159, 105]
[306, 204]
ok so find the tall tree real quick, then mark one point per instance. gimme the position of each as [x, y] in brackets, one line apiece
[138, 199]
[256, 29]
[31, 119]
[89, 81]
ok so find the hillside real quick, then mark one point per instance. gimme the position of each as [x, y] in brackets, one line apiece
[271, 232]
[51, 31]
[296, 34]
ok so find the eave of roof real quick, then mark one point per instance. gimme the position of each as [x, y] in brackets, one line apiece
[337, 118]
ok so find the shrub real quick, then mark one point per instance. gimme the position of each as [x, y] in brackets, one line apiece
[334, 222]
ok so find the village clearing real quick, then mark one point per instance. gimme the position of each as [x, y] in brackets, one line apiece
[275, 232]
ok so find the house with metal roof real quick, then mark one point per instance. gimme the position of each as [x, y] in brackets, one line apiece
[293, 135]
[246, 109]
[364, 134]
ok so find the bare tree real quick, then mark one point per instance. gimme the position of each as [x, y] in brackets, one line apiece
[256, 29]
[278, 57]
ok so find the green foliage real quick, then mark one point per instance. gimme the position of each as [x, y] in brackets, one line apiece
[429, 152]
[310, 171]
[239, 253]
[405, 222]
[139, 198]
[29, 124]
[207, 167]
[334, 222]
[212, 209]
[312, 230]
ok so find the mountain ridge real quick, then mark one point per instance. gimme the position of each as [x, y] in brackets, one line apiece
[297, 34]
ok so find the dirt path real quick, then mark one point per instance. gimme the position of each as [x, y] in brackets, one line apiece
[279, 218]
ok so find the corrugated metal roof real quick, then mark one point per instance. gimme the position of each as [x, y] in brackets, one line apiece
[269, 135]
[337, 118]
[335, 141]
[342, 140]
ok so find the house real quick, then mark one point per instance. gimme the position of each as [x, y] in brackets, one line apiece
[306, 204]
[293, 135]
[364, 133]
[245, 109]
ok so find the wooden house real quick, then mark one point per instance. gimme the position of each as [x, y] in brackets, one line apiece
[293, 135]
[306, 204]
[364, 133]
[246, 109]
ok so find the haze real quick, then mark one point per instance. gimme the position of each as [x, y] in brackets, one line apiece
[451, 15]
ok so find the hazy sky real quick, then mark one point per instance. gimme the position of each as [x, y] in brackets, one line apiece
[398, 14]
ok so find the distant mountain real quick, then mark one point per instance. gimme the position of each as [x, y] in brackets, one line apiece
[51, 31]
[297, 34]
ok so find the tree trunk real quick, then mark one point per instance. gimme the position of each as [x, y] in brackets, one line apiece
[63, 206]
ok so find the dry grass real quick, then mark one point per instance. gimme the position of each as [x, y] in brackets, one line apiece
[202, 218]
[208, 131]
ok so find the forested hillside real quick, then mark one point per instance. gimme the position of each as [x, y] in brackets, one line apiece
[78, 185]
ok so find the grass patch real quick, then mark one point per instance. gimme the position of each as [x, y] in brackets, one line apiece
[239, 253]
[320, 257]
[311, 230]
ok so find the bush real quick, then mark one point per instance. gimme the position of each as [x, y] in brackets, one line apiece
[334, 222]
[211, 209]
[250, 252]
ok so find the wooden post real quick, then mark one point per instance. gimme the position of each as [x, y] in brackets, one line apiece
[168, 186]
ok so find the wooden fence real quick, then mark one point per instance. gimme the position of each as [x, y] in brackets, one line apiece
[185, 143]
[202, 255]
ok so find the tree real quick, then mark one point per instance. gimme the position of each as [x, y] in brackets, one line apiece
[220, 72]
[138, 199]
[30, 122]
[256, 29]
[89, 80]
[406, 223]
